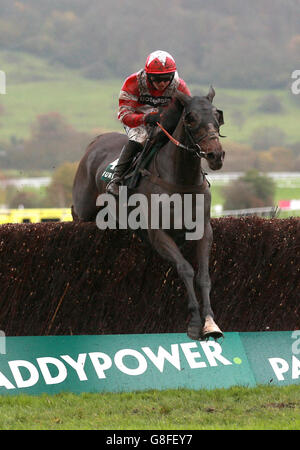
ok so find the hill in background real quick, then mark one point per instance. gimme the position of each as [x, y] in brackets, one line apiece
[64, 106]
[249, 44]
[65, 61]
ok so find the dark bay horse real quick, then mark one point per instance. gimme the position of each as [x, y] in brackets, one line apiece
[193, 124]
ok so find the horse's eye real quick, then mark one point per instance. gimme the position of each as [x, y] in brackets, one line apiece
[190, 119]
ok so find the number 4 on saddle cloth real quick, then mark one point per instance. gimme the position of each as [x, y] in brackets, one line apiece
[107, 175]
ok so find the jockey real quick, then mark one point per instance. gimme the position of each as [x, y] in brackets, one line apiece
[140, 97]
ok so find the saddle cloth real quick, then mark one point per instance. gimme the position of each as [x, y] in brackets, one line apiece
[109, 171]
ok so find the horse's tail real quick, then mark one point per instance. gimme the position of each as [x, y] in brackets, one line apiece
[74, 215]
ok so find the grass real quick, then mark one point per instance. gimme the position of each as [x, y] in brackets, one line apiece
[39, 88]
[281, 193]
[245, 103]
[260, 408]
[36, 87]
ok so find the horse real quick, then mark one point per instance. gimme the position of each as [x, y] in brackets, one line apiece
[189, 131]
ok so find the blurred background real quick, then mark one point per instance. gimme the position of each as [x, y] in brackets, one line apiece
[65, 61]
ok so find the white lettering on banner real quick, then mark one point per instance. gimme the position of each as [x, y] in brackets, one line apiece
[162, 355]
[26, 374]
[191, 356]
[49, 379]
[77, 365]
[213, 352]
[15, 370]
[281, 366]
[5, 382]
[99, 368]
[142, 363]
[295, 368]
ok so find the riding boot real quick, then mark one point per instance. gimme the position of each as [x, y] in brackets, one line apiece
[125, 159]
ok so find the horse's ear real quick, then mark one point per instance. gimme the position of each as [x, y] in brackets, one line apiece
[211, 94]
[182, 97]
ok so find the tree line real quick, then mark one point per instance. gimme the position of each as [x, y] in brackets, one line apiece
[228, 43]
[56, 147]
[53, 141]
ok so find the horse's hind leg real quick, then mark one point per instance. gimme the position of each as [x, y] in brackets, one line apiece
[84, 208]
[168, 249]
[210, 328]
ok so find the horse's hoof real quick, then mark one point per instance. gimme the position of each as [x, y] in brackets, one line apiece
[211, 329]
[213, 334]
[194, 333]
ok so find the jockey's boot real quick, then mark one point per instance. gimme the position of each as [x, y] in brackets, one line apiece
[125, 158]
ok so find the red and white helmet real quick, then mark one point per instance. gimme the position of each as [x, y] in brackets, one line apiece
[160, 62]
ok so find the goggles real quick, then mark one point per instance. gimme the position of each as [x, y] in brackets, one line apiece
[157, 78]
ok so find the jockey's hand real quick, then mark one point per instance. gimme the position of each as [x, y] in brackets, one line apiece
[152, 118]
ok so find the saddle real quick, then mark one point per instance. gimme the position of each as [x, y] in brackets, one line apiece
[133, 173]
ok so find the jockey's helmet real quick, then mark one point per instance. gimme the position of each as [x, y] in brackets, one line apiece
[160, 62]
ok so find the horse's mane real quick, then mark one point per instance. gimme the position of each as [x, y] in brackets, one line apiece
[170, 116]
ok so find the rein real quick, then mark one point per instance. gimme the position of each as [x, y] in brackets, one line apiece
[198, 150]
[178, 188]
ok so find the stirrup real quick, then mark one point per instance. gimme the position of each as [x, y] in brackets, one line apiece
[117, 182]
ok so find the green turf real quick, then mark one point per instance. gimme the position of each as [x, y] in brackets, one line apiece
[36, 87]
[262, 408]
[281, 193]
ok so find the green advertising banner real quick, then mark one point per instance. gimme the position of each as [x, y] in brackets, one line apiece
[124, 363]
[274, 356]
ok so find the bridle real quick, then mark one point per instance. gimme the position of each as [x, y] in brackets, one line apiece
[196, 148]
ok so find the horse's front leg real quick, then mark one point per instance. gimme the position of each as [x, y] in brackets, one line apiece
[168, 249]
[203, 283]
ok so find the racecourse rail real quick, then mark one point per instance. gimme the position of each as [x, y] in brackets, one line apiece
[35, 215]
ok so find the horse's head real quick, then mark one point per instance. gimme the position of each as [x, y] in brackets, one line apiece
[202, 121]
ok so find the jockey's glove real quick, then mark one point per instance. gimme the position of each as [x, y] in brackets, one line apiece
[152, 118]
